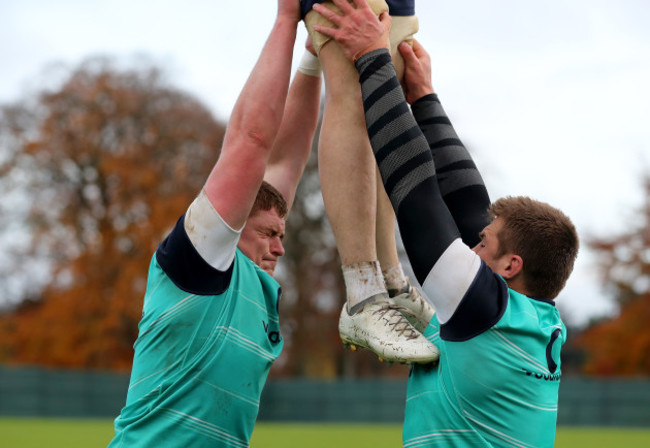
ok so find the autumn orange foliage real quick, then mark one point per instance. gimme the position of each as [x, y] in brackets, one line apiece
[621, 345]
[119, 157]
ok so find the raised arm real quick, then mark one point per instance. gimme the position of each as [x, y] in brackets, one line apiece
[461, 184]
[254, 123]
[292, 146]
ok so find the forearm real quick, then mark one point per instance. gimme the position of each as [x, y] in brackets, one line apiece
[260, 105]
[405, 163]
[461, 184]
[253, 126]
[292, 146]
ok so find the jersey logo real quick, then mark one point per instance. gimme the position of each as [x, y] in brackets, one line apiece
[543, 376]
[552, 365]
[274, 336]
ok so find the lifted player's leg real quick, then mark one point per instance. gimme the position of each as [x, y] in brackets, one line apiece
[402, 294]
[417, 310]
[348, 182]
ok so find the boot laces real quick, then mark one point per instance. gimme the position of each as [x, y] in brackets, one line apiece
[394, 318]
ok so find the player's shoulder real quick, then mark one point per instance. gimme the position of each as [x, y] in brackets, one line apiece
[483, 305]
[186, 268]
[209, 233]
[536, 311]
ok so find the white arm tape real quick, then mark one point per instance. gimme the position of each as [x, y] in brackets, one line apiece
[450, 278]
[310, 65]
[212, 238]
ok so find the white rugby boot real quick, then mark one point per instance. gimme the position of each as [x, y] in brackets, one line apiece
[378, 325]
[419, 309]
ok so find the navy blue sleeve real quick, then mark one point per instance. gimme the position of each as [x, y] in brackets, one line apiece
[480, 309]
[181, 262]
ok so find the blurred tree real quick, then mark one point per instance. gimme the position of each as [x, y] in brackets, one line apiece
[311, 289]
[621, 345]
[106, 164]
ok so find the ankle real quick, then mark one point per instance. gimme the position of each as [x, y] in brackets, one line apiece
[362, 280]
[396, 281]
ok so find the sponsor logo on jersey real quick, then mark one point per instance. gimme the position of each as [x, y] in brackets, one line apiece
[543, 376]
[274, 336]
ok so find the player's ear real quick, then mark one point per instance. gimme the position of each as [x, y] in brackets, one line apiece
[514, 267]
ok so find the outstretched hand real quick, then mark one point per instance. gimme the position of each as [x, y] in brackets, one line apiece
[417, 71]
[356, 28]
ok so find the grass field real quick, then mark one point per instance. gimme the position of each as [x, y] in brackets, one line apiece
[63, 433]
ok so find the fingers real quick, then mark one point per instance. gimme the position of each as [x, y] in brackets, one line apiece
[407, 52]
[418, 49]
[414, 54]
[345, 6]
[327, 13]
[326, 30]
[356, 30]
[386, 20]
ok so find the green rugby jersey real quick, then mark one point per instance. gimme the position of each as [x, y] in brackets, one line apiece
[496, 388]
[206, 342]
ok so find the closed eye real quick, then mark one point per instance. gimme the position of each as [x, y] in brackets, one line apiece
[270, 233]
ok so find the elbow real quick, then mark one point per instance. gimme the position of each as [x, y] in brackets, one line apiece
[258, 139]
[248, 141]
[255, 129]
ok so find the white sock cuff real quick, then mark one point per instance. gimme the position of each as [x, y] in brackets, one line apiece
[395, 278]
[363, 280]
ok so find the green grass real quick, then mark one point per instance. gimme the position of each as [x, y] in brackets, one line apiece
[85, 433]
[602, 438]
[315, 435]
[54, 433]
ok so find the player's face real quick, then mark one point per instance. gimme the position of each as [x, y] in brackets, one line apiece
[261, 239]
[488, 249]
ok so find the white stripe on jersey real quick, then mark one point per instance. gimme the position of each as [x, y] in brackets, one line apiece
[255, 301]
[505, 437]
[239, 338]
[206, 428]
[520, 352]
[179, 308]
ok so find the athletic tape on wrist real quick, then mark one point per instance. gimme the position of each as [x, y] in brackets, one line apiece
[310, 65]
